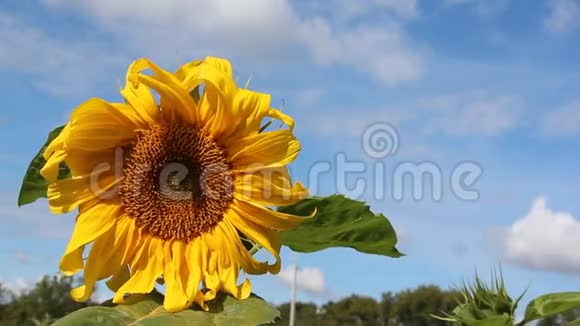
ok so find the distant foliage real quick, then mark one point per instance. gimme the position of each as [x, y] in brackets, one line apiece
[47, 301]
[408, 307]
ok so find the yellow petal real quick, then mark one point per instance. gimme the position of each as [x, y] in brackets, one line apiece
[97, 125]
[145, 270]
[268, 187]
[50, 170]
[265, 150]
[243, 113]
[72, 262]
[286, 119]
[125, 244]
[98, 266]
[66, 195]
[119, 278]
[229, 276]
[54, 154]
[267, 238]
[195, 265]
[175, 297]
[91, 224]
[268, 217]
[176, 103]
[83, 163]
[127, 239]
[188, 71]
[139, 96]
[215, 71]
[235, 248]
[219, 86]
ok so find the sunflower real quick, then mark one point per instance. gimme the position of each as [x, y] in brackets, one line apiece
[176, 185]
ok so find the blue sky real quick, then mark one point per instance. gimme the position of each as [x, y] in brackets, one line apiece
[494, 83]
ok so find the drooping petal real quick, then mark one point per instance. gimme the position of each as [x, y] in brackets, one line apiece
[176, 103]
[249, 108]
[195, 265]
[97, 125]
[146, 267]
[97, 267]
[93, 221]
[268, 187]
[139, 96]
[119, 278]
[87, 162]
[54, 154]
[50, 170]
[235, 248]
[286, 119]
[267, 238]
[175, 297]
[66, 195]
[127, 238]
[262, 151]
[268, 217]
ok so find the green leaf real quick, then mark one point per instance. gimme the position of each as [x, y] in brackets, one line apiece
[34, 186]
[574, 323]
[340, 222]
[501, 320]
[147, 310]
[551, 304]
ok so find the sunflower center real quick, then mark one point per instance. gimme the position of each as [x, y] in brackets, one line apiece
[177, 182]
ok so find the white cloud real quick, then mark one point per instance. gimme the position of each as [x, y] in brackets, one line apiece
[564, 121]
[378, 51]
[55, 65]
[563, 16]
[482, 7]
[261, 30]
[308, 279]
[18, 285]
[477, 112]
[351, 10]
[544, 239]
[351, 123]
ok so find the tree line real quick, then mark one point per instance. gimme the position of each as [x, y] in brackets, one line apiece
[49, 300]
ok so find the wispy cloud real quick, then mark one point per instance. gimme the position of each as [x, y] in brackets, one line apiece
[564, 121]
[262, 30]
[544, 239]
[53, 64]
[563, 16]
[482, 7]
[477, 112]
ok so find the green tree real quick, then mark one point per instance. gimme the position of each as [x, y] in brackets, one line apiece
[353, 310]
[47, 301]
[306, 314]
[414, 307]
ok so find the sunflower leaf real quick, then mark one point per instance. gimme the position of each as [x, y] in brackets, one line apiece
[551, 304]
[147, 309]
[33, 185]
[340, 222]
